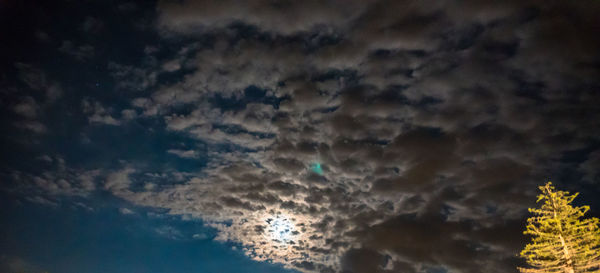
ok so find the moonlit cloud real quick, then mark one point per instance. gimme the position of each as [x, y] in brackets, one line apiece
[412, 128]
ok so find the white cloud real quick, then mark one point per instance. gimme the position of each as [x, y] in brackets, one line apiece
[169, 232]
[125, 211]
[200, 236]
[118, 181]
[183, 153]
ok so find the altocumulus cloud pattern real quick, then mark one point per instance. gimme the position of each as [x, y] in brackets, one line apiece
[322, 136]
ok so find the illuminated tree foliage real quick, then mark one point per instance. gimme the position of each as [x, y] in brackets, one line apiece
[562, 241]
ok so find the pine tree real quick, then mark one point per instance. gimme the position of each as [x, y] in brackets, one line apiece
[561, 240]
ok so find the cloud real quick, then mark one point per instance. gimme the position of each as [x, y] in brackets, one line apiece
[118, 181]
[37, 79]
[437, 123]
[45, 158]
[32, 76]
[183, 153]
[27, 108]
[81, 52]
[29, 111]
[125, 211]
[80, 205]
[42, 201]
[590, 167]
[91, 24]
[432, 124]
[34, 126]
[132, 78]
[54, 181]
[171, 66]
[200, 236]
[97, 113]
[424, 118]
[169, 232]
[283, 18]
[128, 114]
[14, 264]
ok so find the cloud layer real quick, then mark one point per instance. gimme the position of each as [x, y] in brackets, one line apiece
[433, 122]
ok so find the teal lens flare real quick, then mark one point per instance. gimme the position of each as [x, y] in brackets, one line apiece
[316, 168]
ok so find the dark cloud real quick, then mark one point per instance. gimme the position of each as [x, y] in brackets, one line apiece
[363, 260]
[285, 17]
[98, 113]
[13, 264]
[27, 107]
[79, 52]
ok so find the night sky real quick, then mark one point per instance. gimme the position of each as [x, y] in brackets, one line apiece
[273, 136]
